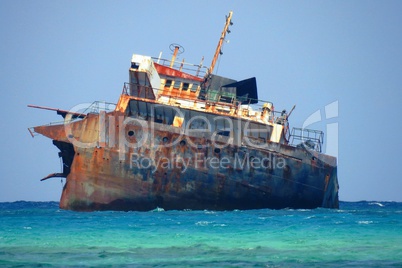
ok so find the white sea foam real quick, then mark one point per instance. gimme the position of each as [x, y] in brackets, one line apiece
[376, 203]
[365, 222]
[203, 223]
[158, 209]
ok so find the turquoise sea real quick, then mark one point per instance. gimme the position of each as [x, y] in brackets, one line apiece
[359, 234]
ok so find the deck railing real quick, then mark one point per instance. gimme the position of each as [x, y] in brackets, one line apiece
[98, 106]
[251, 108]
[307, 138]
[193, 69]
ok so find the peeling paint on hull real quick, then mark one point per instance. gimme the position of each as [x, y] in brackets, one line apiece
[101, 178]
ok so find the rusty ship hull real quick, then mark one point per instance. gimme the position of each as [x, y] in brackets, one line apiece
[180, 140]
[100, 178]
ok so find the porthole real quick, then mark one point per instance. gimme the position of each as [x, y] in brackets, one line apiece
[130, 133]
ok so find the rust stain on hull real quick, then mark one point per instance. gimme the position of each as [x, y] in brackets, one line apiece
[180, 176]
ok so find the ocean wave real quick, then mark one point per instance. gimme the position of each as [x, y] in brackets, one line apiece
[377, 204]
[158, 209]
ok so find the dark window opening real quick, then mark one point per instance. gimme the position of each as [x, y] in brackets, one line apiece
[135, 65]
[225, 133]
[168, 83]
[185, 86]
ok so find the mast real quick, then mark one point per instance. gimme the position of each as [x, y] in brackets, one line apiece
[176, 49]
[220, 43]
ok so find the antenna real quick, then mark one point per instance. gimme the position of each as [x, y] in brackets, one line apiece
[218, 50]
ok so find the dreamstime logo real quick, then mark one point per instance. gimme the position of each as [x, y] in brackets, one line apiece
[330, 111]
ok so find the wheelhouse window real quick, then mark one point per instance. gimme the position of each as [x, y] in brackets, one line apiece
[185, 86]
[176, 84]
[194, 87]
[168, 83]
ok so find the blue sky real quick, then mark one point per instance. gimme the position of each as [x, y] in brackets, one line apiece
[308, 53]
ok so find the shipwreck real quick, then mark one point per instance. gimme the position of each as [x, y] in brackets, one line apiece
[181, 137]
